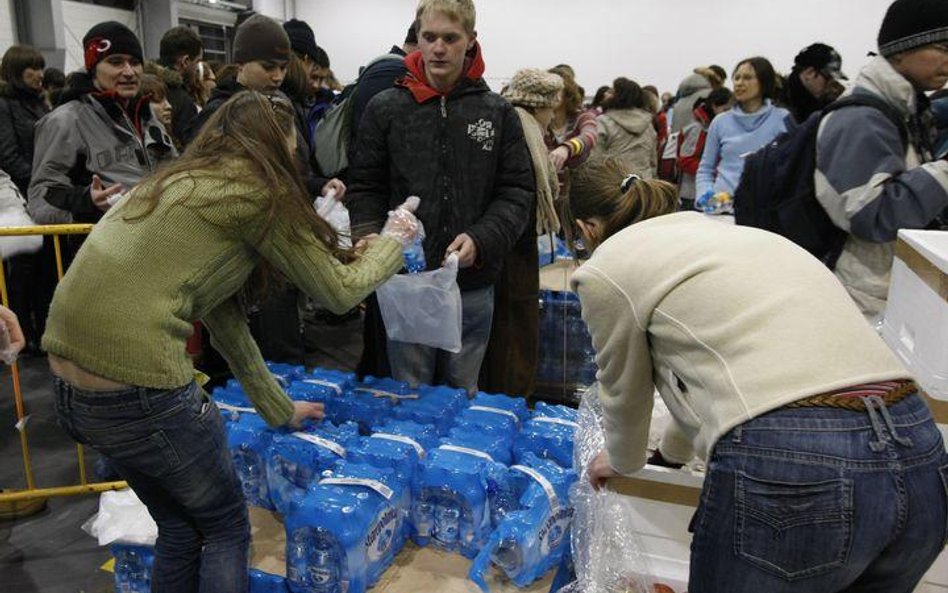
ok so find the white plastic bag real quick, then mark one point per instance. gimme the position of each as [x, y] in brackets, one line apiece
[424, 308]
[337, 215]
[13, 213]
[122, 517]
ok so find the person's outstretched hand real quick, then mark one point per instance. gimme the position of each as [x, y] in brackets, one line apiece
[306, 411]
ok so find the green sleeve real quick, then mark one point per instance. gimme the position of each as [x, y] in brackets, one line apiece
[231, 337]
[314, 270]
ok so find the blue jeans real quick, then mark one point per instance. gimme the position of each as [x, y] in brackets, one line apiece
[171, 448]
[823, 500]
[418, 364]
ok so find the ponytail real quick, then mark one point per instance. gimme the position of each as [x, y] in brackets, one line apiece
[605, 189]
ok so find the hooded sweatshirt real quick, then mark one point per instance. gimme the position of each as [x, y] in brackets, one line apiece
[731, 138]
[628, 133]
[691, 89]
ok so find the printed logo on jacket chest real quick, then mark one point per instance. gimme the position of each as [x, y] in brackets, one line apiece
[482, 131]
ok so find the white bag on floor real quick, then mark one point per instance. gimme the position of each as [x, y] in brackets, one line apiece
[424, 308]
[122, 517]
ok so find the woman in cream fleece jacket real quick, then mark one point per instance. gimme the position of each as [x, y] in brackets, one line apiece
[825, 468]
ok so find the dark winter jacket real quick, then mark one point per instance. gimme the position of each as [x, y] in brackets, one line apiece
[230, 87]
[90, 133]
[373, 80]
[224, 90]
[463, 153]
[183, 107]
[20, 109]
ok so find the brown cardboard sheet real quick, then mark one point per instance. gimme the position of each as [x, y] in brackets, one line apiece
[415, 570]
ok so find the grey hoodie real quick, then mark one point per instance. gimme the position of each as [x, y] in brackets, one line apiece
[691, 89]
[631, 134]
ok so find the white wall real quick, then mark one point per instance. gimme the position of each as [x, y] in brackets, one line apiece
[79, 18]
[7, 34]
[281, 10]
[652, 41]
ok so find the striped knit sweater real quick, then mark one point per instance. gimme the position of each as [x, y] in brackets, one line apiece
[125, 308]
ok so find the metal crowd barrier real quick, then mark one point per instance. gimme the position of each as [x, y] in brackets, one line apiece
[22, 501]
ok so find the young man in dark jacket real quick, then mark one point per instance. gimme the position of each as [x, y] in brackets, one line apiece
[180, 50]
[443, 136]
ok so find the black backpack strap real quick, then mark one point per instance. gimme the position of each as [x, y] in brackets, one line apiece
[867, 99]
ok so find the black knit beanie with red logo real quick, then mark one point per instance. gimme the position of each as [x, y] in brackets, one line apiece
[105, 39]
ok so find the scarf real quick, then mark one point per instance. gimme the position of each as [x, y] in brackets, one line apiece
[548, 187]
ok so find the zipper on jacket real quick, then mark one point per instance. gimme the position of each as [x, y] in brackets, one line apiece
[130, 126]
[444, 108]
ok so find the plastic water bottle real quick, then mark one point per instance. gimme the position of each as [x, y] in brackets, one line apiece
[324, 570]
[297, 561]
[251, 473]
[447, 522]
[508, 556]
[415, 251]
[415, 256]
[123, 571]
[423, 517]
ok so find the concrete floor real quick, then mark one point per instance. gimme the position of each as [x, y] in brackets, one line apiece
[49, 552]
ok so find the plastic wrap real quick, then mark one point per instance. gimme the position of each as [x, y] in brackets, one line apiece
[264, 582]
[345, 531]
[531, 541]
[607, 554]
[450, 498]
[402, 225]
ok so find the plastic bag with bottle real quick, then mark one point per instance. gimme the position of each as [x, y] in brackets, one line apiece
[424, 308]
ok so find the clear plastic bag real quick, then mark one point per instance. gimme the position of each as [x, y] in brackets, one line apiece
[337, 215]
[122, 517]
[424, 308]
[607, 554]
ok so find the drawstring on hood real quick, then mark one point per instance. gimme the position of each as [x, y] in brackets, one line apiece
[416, 80]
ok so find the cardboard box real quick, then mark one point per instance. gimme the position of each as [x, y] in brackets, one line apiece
[915, 324]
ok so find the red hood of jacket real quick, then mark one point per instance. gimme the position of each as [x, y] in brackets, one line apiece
[416, 80]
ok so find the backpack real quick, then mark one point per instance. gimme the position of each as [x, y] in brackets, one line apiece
[777, 191]
[334, 131]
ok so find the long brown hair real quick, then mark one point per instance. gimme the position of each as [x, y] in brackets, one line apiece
[251, 128]
[572, 96]
[604, 189]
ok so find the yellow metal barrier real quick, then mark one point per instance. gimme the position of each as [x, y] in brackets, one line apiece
[32, 494]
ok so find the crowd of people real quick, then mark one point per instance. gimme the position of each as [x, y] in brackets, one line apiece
[200, 180]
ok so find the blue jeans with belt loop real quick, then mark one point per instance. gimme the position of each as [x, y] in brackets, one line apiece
[823, 500]
[170, 446]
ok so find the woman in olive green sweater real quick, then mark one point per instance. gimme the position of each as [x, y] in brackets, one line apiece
[181, 248]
